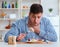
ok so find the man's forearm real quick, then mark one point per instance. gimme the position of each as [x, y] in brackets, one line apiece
[48, 36]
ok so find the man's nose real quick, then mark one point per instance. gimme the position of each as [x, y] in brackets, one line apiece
[35, 19]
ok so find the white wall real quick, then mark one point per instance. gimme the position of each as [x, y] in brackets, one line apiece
[50, 4]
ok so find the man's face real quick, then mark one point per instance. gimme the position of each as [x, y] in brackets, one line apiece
[35, 18]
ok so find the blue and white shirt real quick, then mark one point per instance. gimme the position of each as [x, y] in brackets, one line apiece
[47, 31]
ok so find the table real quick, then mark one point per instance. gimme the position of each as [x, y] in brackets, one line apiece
[39, 42]
[4, 44]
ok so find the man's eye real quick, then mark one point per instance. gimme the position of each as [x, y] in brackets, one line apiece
[33, 16]
[38, 17]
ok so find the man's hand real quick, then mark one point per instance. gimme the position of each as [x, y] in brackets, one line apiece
[21, 36]
[36, 30]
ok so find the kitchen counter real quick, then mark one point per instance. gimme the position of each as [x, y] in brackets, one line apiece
[3, 44]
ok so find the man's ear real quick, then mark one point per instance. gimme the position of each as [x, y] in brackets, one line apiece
[29, 13]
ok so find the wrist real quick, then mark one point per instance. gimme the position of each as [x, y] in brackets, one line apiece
[37, 33]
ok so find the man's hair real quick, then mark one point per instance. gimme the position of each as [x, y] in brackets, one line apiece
[36, 8]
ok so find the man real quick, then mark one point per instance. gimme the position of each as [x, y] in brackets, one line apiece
[43, 29]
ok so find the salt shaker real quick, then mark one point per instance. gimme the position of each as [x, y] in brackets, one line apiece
[10, 40]
[14, 39]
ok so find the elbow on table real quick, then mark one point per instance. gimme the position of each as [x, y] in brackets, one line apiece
[54, 39]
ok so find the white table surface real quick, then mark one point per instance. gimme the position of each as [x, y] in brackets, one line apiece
[3, 44]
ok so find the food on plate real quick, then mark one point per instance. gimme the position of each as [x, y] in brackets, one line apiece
[32, 40]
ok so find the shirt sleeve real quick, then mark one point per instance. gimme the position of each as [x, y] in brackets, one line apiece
[12, 32]
[49, 32]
